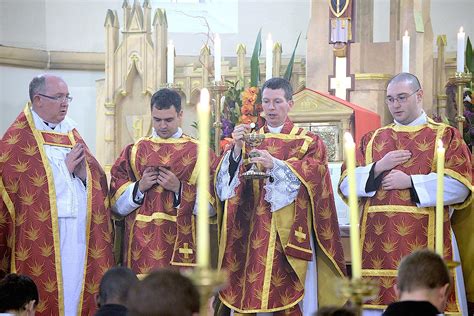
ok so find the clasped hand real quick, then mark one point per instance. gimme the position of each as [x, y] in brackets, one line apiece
[76, 161]
[395, 179]
[161, 176]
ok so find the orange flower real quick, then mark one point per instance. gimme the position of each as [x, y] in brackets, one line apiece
[247, 119]
[226, 143]
[245, 110]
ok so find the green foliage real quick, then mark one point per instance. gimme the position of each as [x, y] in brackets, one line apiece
[254, 62]
[470, 61]
[233, 101]
[289, 68]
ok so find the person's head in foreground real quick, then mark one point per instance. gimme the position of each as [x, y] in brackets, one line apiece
[163, 293]
[423, 276]
[114, 286]
[18, 295]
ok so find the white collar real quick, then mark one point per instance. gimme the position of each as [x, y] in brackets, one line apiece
[420, 120]
[64, 126]
[275, 130]
[178, 133]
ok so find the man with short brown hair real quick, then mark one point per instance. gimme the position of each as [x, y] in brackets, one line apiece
[423, 285]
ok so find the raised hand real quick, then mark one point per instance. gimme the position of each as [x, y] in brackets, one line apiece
[238, 136]
[391, 160]
[149, 179]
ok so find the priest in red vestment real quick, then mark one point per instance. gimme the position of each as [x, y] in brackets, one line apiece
[153, 185]
[55, 221]
[279, 237]
[396, 180]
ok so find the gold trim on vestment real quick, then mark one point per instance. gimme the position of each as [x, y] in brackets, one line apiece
[53, 207]
[379, 272]
[58, 145]
[88, 226]
[133, 158]
[154, 216]
[119, 192]
[314, 224]
[11, 210]
[269, 265]
[299, 248]
[270, 310]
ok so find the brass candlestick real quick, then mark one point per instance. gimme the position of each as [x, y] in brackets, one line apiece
[461, 79]
[208, 281]
[217, 89]
[357, 291]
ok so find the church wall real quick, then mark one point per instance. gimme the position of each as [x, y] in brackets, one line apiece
[22, 23]
[448, 15]
[14, 95]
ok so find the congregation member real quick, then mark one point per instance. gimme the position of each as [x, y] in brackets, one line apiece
[18, 295]
[423, 285]
[113, 291]
[164, 292]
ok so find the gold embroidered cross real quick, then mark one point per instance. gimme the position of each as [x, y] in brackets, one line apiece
[186, 251]
[300, 236]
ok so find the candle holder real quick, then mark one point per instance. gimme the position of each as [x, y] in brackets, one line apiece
[217, 88]
[172, 86]
[460, 79]
[357, 291]
[208, 281]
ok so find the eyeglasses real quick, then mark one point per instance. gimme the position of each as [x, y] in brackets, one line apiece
[59, 98]
[401, 99]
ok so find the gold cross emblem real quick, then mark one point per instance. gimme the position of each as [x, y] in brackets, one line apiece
[300, 236]
[186, 251]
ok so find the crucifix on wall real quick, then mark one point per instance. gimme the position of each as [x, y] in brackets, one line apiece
[340, 19]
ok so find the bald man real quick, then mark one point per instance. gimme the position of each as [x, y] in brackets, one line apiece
[54, 216]
[396, 177]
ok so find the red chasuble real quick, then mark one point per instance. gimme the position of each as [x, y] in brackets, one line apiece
[29, 232]
[392, 226]
[266, 253]
[156, 233]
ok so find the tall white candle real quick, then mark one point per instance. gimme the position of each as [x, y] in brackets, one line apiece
[460, 55]
[356, 255]
[170, 63]
[203, 246]
[269, 57]
[440, 153]
[217, 58]
[406, 53]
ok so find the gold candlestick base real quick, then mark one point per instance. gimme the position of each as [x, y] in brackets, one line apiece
[208, 281]
[452, 264]
[357, 291]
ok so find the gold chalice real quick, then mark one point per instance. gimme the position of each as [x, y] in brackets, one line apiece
[254, 139]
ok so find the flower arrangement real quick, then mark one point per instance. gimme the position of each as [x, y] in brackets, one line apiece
[242, 105]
